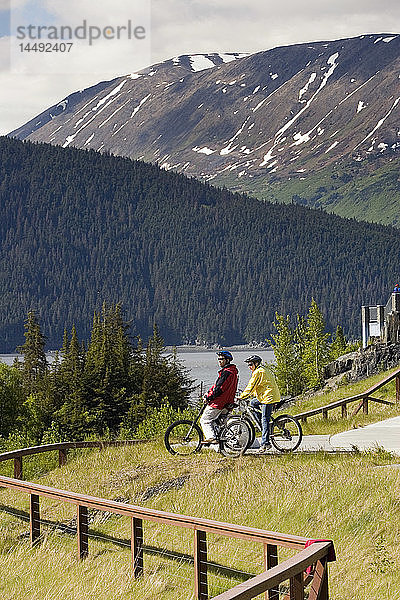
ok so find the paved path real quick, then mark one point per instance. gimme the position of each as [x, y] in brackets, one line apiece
[384, 434]
[310, 443]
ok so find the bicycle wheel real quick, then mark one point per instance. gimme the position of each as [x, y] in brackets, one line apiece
[234, 438]
[183, 438]
[286, 433]
[250, 426]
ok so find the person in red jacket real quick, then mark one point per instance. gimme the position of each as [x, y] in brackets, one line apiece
[219, 395]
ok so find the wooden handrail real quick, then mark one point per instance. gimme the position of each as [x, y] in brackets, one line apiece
[149, 514]
[288, 569]
[62, 447]
[66, 446]
[363, 396]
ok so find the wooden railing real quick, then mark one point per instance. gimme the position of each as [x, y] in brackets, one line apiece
[62, 448]
[362, 397]
[313, 558]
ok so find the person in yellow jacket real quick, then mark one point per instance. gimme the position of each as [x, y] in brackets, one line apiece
[263, 386]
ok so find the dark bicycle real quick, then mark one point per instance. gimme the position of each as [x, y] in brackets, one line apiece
[233, 434]
[285, 430]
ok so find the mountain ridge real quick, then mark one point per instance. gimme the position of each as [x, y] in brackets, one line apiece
[277, 115]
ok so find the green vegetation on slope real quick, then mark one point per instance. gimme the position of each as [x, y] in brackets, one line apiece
[364, 191]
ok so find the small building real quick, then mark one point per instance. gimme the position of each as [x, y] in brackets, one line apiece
[382, 322]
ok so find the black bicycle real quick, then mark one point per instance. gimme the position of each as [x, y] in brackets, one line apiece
[233, 434]
[285, 430]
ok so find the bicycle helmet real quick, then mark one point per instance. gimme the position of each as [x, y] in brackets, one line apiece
[257, 360]
[225, 354]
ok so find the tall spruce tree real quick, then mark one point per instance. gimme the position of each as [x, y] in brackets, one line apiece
[34, 366]
[107, 371]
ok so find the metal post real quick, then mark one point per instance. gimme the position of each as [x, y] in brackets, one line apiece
[200, 565]
[271, 560]
[34, 522]
[82, 531]
[137, 546]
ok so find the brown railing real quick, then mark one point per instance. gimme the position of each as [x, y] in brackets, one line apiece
[62, 448]
[313, 558]
[363, 397]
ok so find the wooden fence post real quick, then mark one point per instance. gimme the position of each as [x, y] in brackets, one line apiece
[319, 584]
[34, 519]
[82, 531]
[397, 389]
[200, 565]
[324, 414]
[365, 406]
[271, 560]
[62, 457]
[344, 411]
[297, 587]
[137, 546]
[18, 467]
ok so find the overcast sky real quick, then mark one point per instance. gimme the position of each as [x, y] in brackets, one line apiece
[176, 27]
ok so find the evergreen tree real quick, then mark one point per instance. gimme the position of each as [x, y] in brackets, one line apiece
[107, 372]
[339, 344]
[316, 347]
[34, 367]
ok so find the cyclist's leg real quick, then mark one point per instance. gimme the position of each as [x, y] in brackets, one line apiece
[266, 411]
[254, 403]
[207, 419]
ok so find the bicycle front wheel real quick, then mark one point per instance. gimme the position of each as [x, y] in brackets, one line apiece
[183, 438]
[235, 438]
[286, 433]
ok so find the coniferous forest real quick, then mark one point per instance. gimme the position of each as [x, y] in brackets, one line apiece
[78, 228]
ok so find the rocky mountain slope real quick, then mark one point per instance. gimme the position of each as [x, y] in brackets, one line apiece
[282, 115]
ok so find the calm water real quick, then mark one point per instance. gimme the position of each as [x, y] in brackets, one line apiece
[202, 364]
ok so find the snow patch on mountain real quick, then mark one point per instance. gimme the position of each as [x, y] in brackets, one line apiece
[200, 62]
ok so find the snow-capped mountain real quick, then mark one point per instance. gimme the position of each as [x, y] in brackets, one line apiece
[285, 112]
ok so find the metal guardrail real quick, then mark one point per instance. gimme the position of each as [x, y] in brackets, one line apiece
[314, 558]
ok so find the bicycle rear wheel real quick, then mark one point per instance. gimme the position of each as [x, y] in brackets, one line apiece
[286, 433]
[235, 438]
[183, 438]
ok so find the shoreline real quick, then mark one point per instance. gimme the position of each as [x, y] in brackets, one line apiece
[237, 348]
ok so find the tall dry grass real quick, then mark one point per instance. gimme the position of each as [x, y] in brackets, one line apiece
[353, 499]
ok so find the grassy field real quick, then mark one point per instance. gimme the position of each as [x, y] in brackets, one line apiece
[353, 499]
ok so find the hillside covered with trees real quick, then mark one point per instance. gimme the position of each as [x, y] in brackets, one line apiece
[78, 228]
